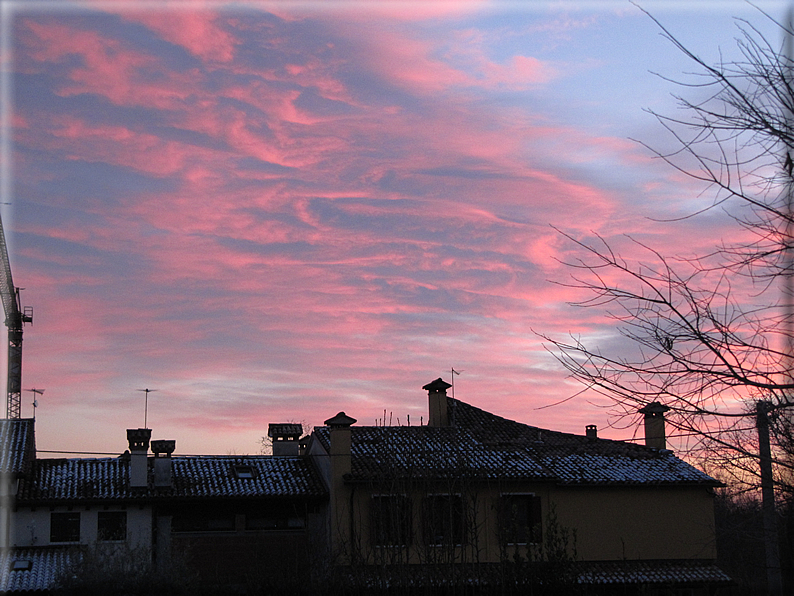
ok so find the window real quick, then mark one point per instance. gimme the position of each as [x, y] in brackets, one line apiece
[197, 518]
[202, 522]
[274, 517]
[445, 522]
[520, 519]
[390, 520]
[111, 525]
[275, 521]
[65, 527]
[244, 472]
[22, 565]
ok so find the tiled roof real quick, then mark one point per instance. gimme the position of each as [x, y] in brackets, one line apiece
[199, 477]
[44, 568]
[432, 452]
[577, 459]
[273, 477]
[606, 577]
[478, 444]
[650, 572]
[17, 446]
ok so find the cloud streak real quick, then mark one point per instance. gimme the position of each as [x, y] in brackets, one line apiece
[277, 216]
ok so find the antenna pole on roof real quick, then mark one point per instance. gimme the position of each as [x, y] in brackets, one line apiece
[36, 392]
[146, 407]
[454, 372]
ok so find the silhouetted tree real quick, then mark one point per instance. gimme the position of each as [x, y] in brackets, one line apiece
[712, 333]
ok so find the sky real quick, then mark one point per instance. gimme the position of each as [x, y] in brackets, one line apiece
[276, 211]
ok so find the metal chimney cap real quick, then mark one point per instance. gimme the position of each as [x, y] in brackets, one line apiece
[438, 385]
[341, 420]
[654, 408]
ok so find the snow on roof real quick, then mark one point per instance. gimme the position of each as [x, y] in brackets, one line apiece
[650, 572]
[478, 444]
[33, 569]
[17, 446]
[193, 477]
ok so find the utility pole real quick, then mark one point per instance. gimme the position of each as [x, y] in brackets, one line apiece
[774, 578]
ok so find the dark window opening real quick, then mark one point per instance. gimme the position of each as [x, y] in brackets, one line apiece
[274, 522]
[229, 518]
[200, 520]
[65, 527]
[520, 519]
[445, 522]
[390, 520]
[111, 525]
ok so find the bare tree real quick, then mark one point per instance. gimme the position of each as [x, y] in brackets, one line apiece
[712, 333]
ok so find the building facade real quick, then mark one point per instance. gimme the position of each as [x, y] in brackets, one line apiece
[470, 499]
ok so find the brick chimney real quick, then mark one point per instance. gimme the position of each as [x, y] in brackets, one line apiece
[162, 450]
[437, 402]
[654, 425]
[285, 438]
[138, 439]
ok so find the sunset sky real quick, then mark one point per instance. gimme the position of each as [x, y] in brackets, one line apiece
[271, 212]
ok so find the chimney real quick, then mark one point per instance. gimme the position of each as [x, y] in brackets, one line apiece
[654, 425]
[162, 462]
[437, 401]
[591, 431]
[340, 494]
[340, 443]
[138, 439]
[285, 438]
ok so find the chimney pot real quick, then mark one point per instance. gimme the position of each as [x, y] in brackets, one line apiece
[162, 450]
[138, 439]
[437, 402]
[285, 438]
[654, 425]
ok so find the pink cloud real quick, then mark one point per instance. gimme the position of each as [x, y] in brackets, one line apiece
[398, 10]
[107, 68]
[114, 144]
[396, 242]
[198, 31]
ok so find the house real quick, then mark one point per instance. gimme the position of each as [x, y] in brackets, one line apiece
[474, 498]
[17, 454]
[470, 499]
[230, 520]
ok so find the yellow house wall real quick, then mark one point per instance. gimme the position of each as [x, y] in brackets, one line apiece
[609, 523]
[639, 522]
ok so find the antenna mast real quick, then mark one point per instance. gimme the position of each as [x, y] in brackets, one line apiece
[146, 407]
[454, 372]
[35, 392]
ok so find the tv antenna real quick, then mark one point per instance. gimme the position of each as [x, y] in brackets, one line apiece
[146, 407]
[454, 372]
[35, 392]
